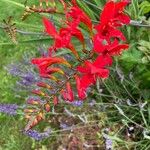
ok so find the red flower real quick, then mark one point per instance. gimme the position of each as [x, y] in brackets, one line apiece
[114, 48]
[82, 84]
[63, 38]
[44, 64]
[49, 28]
[90, 72]
[72, 28]
[109, 21]
[113, 14]
[78, 15]
[97, 68]
[109, 34]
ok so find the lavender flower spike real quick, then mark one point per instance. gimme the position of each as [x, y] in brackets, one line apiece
[10, 109]
[64, 126]
[37, 135]
[77, 103]
[108, 142]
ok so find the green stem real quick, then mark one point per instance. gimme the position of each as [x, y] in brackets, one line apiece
[138, 24]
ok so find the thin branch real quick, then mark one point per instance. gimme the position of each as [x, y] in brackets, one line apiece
[138, 24]
[31, 33]
[132, 23]
[24, 32]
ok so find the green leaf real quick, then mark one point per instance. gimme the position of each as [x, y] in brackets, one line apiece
[100, 3]
[14, 3]
[145, 7]
[87, 9]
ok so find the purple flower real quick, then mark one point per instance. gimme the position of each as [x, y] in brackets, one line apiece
[64, 126]
[14, 69]
[27, 76]
[24, 70]
[108, 142]
[37, 135]
[10, 109]
[77, 103]
[27, 79]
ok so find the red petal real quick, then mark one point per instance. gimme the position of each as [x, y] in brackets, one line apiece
[74, 2]
[99, 45]
[94, 71]
[78, 14]
[68, 93]
[44, 63]
[117, 50]
[125, 19]
[119, 6]
[80, 90]
[103, 73]
[83, 69]
[78, 34]
[49, 27]
[107, 13]
[102, 61]
[55, 100]
[86, 81]
[116, 33]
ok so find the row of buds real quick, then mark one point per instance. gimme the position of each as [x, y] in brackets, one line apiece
[34, 120]
[10, 28]
[50, 7]
[35, 111]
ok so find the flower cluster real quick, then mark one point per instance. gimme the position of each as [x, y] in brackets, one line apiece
[36, 135]
[10, 109]
[88, 65]
[27, 77]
